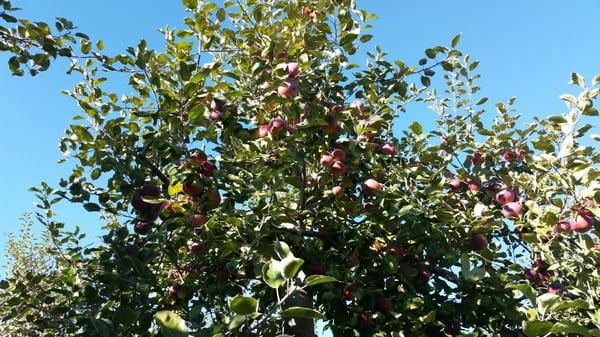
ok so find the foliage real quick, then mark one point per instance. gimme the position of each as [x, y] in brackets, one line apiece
[254, 160]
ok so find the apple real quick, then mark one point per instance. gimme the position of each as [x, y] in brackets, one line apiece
[214, 115]
[364, 319]
[191, 188]
[331, 127]
[512, 210]
[473, 186]
[505, 196]
[327, 160]
[368, 206]
[338, 154]
[196, 247]
[455, 184]
[207, 168]
[293, 69]
[424, 274]
[137, 201]
[590, 203]
[214, 199]
[479, 242]
[289, 89]
[338, 168]
[221, 273]
[477, 158]
[174, 289]
[508, 155]
[263, 131]
[555, 288]
[142, 227]
[562, 226]
[348, 292]
[277, 126]
[131, 250]
[337, 191]
[387, 149]
[198, 220]
[582, 223]
[384, 305]
[372, 186]
[217, 105]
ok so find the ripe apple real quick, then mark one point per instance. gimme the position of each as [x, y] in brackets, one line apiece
[192, 188]
[338, 168]
[479, 242]
[327, 160]
[338, 154]
[455, 184]
[384, 305]
[424, 274]
[512, 210]
[198, 220]
[196, 247]
[555, 288]
[277, 126]
[214, 115]
[337, 191]
[368, 206]
[131, 250]
[348, 292]
[473, 186]
[505, 196]
[137, 201]
[214, 199]
[508, 155]
[387, 149]
[289, 89]
[174, 289]
[582, 223]
[263, 130]
[293, 69]
[372, 186]
[562, 226]
[142, 227]
[207, 168]
[477, 158]
[217, 105]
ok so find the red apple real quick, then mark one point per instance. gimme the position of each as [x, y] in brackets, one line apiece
[372, 186]
[198, 220]
[582, 223]
[424, 274]
[505, 196]
[174, 289]
[555, 288]
[196, 247]
[293, 69]
[562, 226]
[207, 168]
[338, 168]
[192, 188]
[477, 158]
[455, 184]
[263, 130]
[337, 191]
[479, 242]
[368, 206]
[277, 126]
[289, 89]
[142, 227]
[512, 210]
[327, 160]
[387, 149]
[508, 155]
[214, 199]
[131, 250]
[338, 154]
[137, 201]
[473, 186]
[214, 115]
[384, 305]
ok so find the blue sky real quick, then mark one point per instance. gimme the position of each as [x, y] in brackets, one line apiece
[527, 49]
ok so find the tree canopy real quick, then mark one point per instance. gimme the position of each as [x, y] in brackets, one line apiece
[250, 183]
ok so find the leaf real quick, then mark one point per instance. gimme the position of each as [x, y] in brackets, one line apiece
[302, 312]
[416, 128]
[425, 81]
[91, 207]
[578, 303]
[482, 101]
[596, 80]
[536, 328]
[282, 249]
[272, 274]
[568, 98]
[455, 41]
[405, 210]
[175, 188]
[557, 119]
[243, 305]
[290, 266]
[546, 302]
[313, 280]
[577, 80]
[526, 289]
[191, 4]
[171, 324]
[569, 327]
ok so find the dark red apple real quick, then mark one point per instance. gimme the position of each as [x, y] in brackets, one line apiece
[372, 186]
[293, 69]
[339, 154]
[196, 247]
[387, 149]
[142, 227]
[477, 158]
[479, 242]
[137, 201]
[192, 188]
[338, 168]
[208, 168]
[214, 199]
[555, 288]
[289, 89]
[562, 226]
[277, 126]
[198, 220]
[384, 305]
[364, 319]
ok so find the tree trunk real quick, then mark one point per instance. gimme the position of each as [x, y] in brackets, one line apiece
[297, 326]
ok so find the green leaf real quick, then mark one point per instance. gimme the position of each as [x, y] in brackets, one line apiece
[416, 128]
[455, 41]
[191, 4]
[526, 289]
[536, 328]
[282, 249]
[302, 312]
[425, 81]
[577, 80]
[590, 111]
[290, 266]
[171, 324]
[578, 303]
[596, 80]
[273, 275]
[546, 302]
[243, 305]
[91, 207]
[569, 327]
[405, 210]
[482, 101]
[557, 119]
[313, 280]
[366, 38]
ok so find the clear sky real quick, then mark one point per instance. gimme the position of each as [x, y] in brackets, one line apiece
[527, 49]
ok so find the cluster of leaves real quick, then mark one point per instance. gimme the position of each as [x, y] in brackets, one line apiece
[255, 165]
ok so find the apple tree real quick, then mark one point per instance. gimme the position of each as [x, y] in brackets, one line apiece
[250, 183]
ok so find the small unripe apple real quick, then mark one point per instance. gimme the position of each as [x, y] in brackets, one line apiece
[327, 160]
[131, 250]
[277, 126]
[384, 305]
[142, 227]
[198, 220]
[338, 154]
[337, 191]
[479, 242]
[289, 89]
[372, 186]
[505, 196]
[338, 168]
[512, 210]
[263, 131]
[387, 149]
[582, 223]
[196, 247]
[293, 69]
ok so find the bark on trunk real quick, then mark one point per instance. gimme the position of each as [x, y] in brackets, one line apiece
[299, 327]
